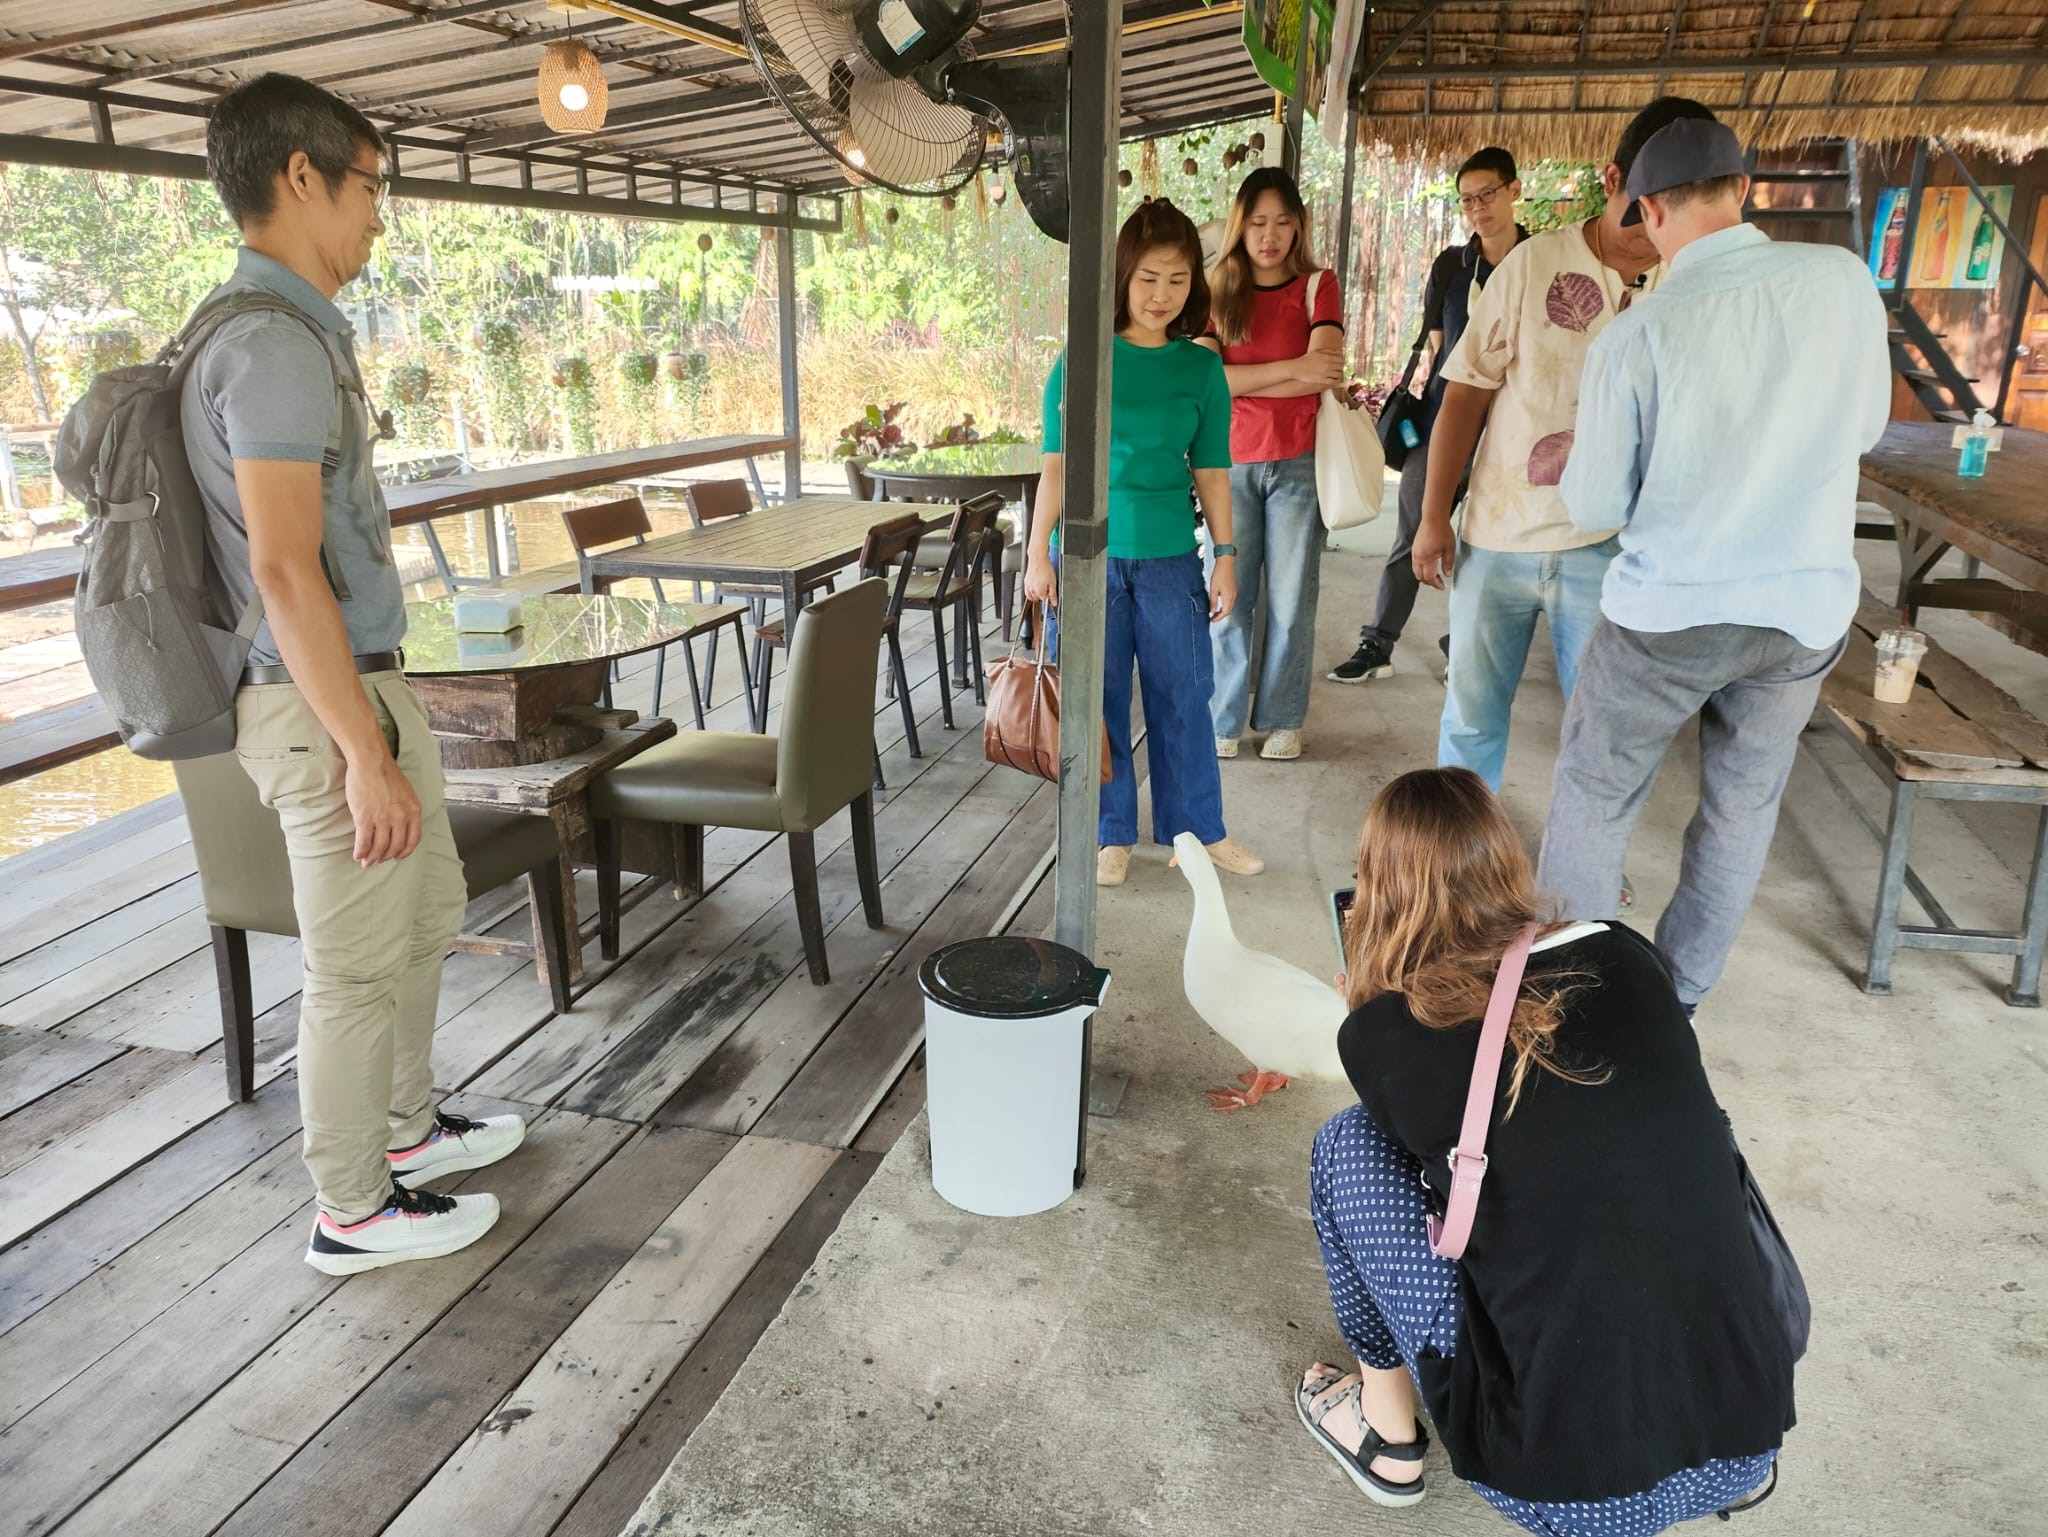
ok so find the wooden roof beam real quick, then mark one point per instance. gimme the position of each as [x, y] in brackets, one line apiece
[34, 47]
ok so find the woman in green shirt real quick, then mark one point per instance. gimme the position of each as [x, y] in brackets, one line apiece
[1169, 431]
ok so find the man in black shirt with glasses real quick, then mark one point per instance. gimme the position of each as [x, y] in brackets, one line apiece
[1488, 189]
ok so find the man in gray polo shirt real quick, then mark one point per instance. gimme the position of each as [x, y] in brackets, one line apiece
[277, 429]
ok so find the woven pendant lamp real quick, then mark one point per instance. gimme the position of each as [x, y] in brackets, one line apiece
[572, 88]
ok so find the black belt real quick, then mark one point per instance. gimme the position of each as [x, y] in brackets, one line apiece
[368, 661]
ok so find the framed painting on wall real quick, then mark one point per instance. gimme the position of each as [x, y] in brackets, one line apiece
[1956, 243]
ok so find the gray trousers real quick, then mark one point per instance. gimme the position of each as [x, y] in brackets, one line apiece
[1753, 690]
[1397, 582]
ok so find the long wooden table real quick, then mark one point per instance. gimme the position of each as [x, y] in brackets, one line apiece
[420, 502]
[2000, 521]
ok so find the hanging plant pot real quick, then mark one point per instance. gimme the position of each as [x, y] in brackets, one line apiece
[891, 215]
[1188, 167]
[638, 368]
[1258, 142]
[1123, 179]
[705, 243]
[571, 372]
[410, 384]
[1000, 192]
[675, 365]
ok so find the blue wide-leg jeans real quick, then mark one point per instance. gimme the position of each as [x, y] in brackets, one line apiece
[1158, 619]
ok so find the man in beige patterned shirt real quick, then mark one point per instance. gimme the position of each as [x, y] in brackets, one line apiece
[1515, 375]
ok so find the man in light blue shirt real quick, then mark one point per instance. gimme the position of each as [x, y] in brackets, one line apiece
[1719, 427]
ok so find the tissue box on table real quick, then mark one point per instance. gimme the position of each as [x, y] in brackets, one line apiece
[487, 610]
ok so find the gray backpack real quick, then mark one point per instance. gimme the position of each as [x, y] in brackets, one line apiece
[163, 653]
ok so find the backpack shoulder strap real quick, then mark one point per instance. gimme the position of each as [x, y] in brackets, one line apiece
[183, 350]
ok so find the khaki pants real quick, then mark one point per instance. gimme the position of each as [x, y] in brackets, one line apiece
[373, 940]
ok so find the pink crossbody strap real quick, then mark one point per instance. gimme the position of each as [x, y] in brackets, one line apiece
[1447, 1238]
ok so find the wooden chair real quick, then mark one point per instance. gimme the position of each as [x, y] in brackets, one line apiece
[889, 553]
[719, 501]
[1006, 555]
[790, 784]
[956, 585]
[605, 524]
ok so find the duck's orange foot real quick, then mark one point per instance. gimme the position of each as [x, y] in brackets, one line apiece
[1256, 1085]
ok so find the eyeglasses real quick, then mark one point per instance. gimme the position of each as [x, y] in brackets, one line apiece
[380, 185]
[1472, 202]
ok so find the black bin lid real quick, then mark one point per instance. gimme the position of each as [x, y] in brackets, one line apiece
[1008, 976]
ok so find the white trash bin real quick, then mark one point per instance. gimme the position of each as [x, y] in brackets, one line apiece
[1006, 1034]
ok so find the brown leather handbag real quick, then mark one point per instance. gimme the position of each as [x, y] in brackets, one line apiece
[1021, 727]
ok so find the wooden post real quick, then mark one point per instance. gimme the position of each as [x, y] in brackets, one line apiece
[1299, 100]
[1093, 114]
[785, 313]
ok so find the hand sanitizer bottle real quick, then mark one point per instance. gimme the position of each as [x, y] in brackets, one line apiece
[1976, 447]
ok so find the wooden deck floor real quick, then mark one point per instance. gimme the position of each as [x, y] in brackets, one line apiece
[700, 1120]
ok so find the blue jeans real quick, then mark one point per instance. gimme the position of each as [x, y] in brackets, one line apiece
[1158, 618]
[1495, 598]
[1277, 526]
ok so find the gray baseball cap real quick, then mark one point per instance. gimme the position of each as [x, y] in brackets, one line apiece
[1688, 150]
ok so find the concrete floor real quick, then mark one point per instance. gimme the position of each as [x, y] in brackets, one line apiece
[1124, 1363]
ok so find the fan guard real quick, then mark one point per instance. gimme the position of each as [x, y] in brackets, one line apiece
[886, 132]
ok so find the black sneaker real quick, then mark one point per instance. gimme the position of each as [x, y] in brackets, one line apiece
[1443, 644]
[414, 1224]
[1374, 658]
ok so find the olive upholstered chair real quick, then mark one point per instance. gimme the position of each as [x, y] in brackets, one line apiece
[245, 884]
[790, 783]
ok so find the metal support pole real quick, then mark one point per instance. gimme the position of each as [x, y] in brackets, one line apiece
[785, 325]
[1093, 113]
[1299, 100]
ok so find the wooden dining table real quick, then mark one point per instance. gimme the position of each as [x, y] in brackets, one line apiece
[522, 727]
[792, 547]
[1999, 521]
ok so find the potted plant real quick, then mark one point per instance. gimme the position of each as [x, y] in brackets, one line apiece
[959, 434]
[872, 434]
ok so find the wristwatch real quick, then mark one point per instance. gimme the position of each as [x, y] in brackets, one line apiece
[1221, 550]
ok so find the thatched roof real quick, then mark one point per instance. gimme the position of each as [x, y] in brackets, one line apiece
[1561, 77]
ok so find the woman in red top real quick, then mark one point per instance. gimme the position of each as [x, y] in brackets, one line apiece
[1281, 349]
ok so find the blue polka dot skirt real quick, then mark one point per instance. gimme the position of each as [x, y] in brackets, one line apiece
[1395, 1299]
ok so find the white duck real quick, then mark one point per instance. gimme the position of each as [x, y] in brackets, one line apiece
[1278, 1015]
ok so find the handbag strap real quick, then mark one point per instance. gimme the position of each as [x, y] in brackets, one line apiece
[1468, 1157]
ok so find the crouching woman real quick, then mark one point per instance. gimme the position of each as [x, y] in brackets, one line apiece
[1607, 1358]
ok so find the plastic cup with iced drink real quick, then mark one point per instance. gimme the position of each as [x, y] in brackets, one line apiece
[1898, 664]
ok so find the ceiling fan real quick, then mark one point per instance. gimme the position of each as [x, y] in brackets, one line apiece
[889, 89]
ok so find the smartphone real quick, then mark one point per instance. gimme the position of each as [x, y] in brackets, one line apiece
[1340, 914]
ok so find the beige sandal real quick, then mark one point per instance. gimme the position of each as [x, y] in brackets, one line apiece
[1112, 864]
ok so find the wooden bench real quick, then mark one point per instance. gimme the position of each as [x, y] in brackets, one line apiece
[1960, 738]
[44, 739]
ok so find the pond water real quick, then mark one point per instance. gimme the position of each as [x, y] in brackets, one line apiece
[62, 800]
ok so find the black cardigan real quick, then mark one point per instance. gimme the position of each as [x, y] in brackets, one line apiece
[1616, 1327]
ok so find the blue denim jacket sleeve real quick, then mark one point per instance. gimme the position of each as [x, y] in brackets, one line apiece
[1604, 472]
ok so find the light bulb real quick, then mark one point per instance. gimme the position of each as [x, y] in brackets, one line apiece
[575, 96]
[858, 156]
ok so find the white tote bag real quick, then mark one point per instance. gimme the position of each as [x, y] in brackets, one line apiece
[1351, 466]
